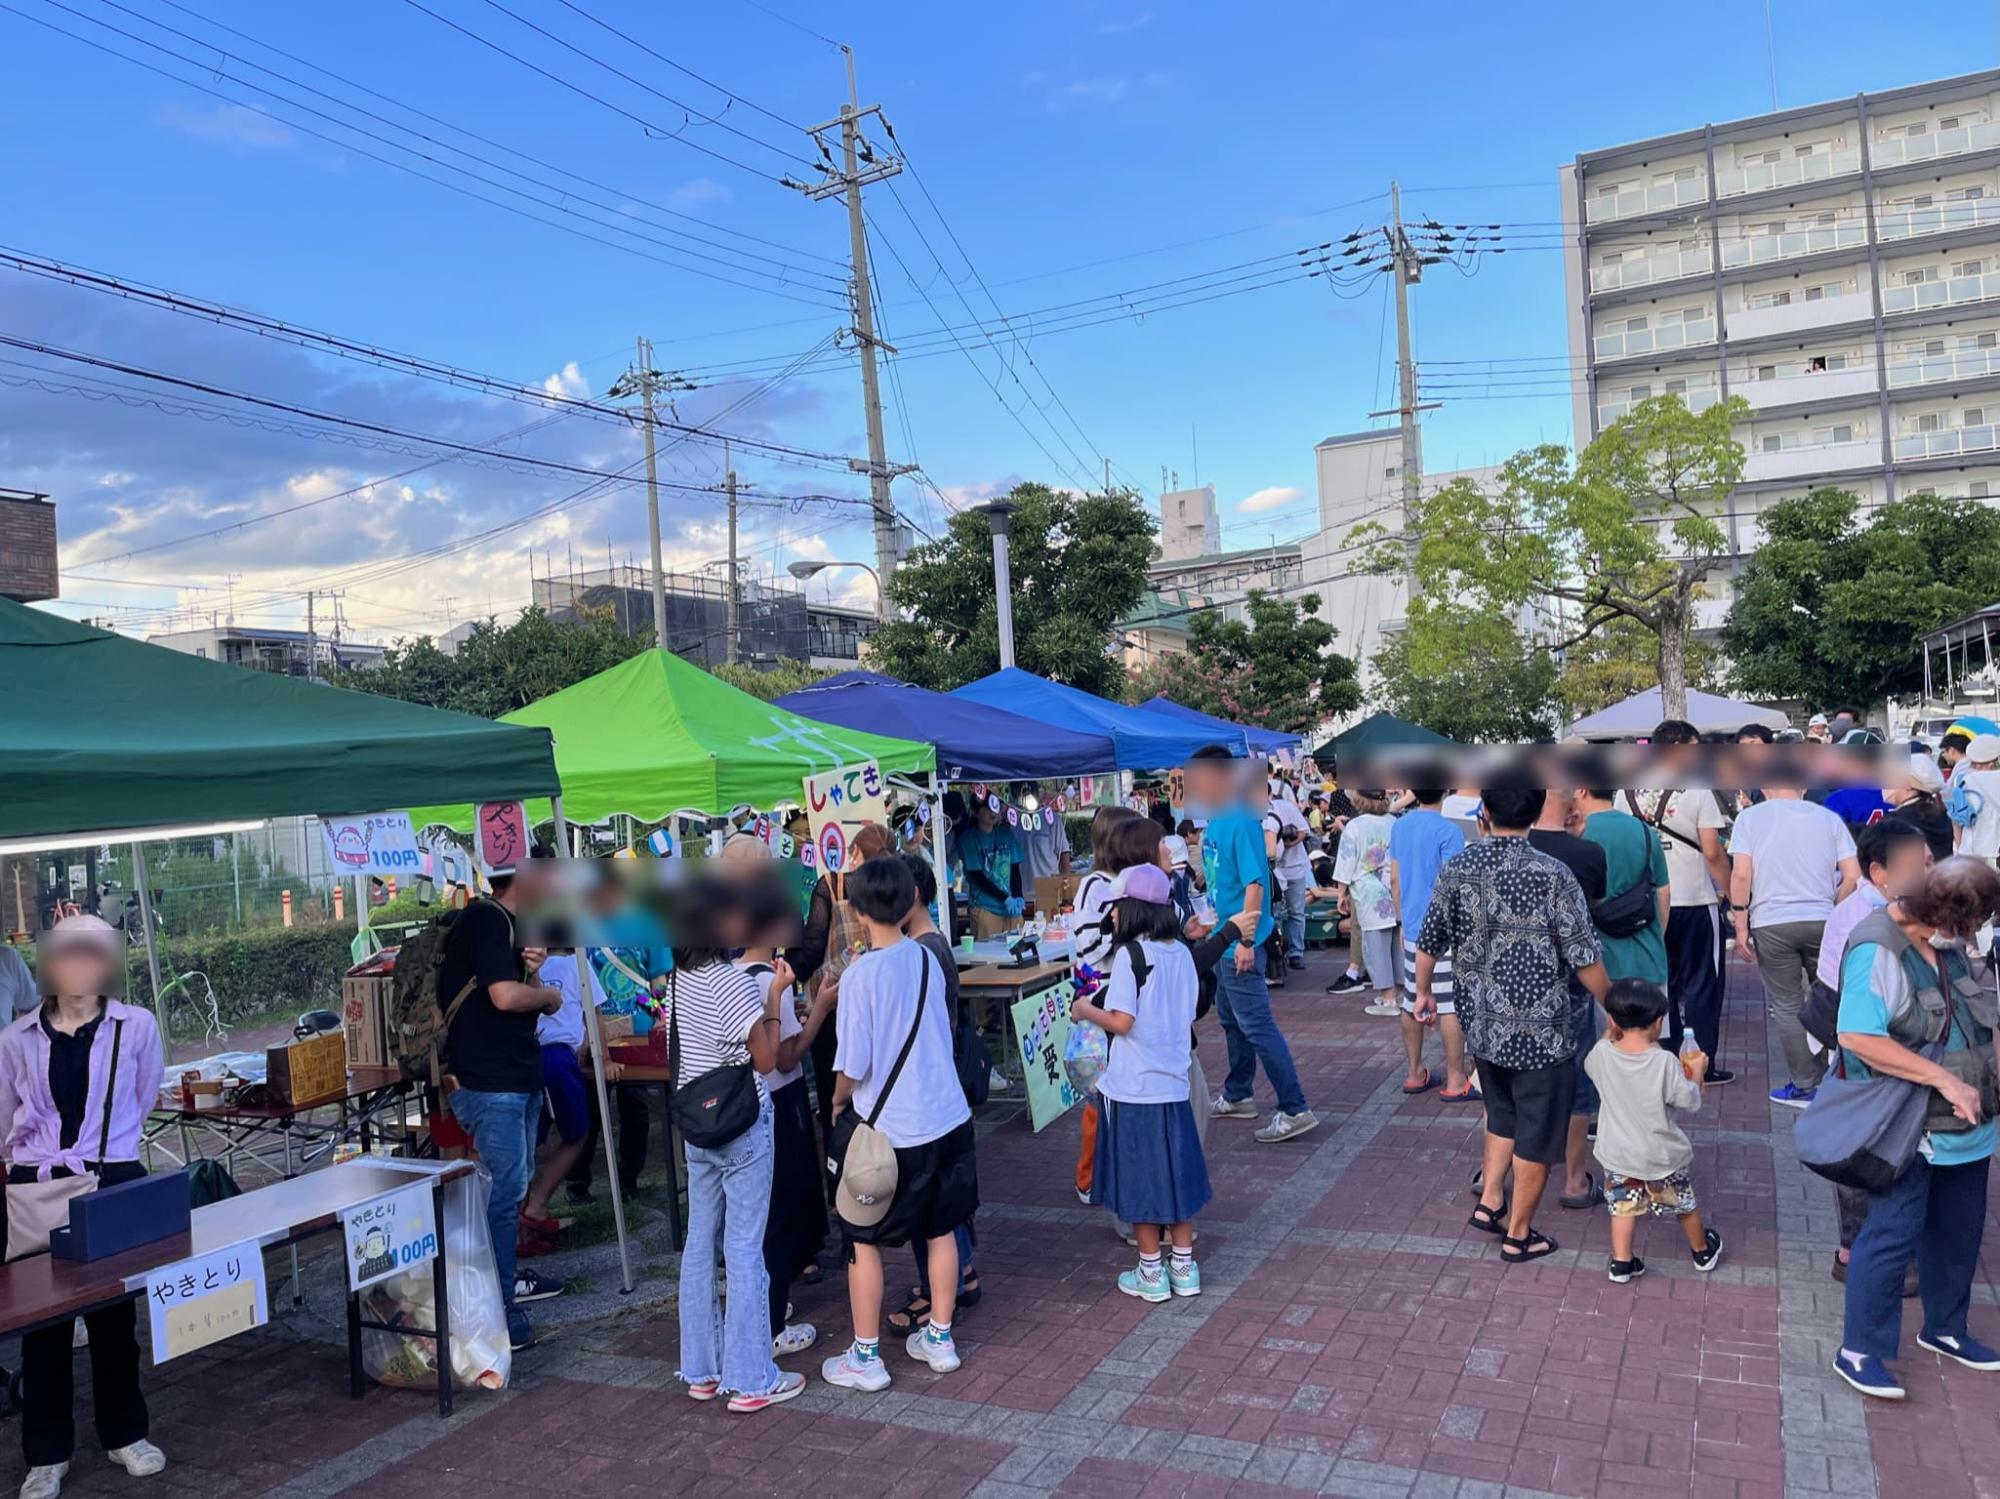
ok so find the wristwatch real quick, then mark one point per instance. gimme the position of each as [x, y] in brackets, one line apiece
[1246, 942]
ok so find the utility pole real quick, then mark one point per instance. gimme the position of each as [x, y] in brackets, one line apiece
[1408, 265]
[862, 163]
[647, 383]
[735, 592]
[312, 641]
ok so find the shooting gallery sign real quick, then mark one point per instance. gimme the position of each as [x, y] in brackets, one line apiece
[838, 802]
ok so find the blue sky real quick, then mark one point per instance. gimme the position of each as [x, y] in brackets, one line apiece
[1077, 149]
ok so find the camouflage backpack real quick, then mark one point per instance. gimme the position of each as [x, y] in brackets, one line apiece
[419, 1021]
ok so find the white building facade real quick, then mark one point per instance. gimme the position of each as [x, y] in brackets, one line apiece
[1836, 266]
[1190, 525]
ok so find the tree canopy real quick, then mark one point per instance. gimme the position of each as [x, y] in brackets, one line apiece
[499, 667]
[1467, 675]
[1277, 670]
[1078, 564]
[1829, 610]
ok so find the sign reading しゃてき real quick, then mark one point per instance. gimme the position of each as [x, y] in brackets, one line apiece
[838, 802]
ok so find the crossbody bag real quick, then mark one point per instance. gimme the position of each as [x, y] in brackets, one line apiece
[713, 1107]
[36, 1208]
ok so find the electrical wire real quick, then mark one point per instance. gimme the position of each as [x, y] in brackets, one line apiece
[633, 41]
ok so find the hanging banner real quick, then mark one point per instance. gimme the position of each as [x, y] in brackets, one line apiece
[837, 803]
[500, 836]
[381, 843]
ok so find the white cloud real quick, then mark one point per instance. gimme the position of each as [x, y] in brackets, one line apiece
[227, 124]
[567, 381]
[695, 194]
[1276, 497]
[1126, 26]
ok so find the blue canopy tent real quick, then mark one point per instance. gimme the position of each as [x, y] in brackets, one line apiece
[974, 742]
[1144, 740]
[1261, 741]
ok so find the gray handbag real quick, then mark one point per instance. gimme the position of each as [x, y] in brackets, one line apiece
[1863, 1132]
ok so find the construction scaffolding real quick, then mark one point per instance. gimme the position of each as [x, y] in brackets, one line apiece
[774, 624]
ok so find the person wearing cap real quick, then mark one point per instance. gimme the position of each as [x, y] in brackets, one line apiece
[78, 1076]
[1974, 801]
[1915, 795]
[1150, 1168]
[902, 1133]
[1817, 729]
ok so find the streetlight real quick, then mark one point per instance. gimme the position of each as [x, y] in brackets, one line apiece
[999, 514]
[804, 570]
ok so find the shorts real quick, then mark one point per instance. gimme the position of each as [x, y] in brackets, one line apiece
[569, 1099]
[1530, 1106]
[1440, 979]
[1382, 952]
[937, 1190]
[1629, 1197]
[1583, 1030]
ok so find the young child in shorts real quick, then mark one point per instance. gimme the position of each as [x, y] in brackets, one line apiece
[1643, 1150]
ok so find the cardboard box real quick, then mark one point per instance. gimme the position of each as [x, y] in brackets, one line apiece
[364, 1013]
[309, 1071]
[1053, 892]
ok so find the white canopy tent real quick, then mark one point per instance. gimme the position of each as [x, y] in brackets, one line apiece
[1641, 713]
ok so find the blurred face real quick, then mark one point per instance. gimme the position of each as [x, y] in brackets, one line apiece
[78, 968]
[1904, 873]
[985, 816]
[1207, 782]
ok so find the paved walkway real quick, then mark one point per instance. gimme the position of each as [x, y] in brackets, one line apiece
[1355, 1338]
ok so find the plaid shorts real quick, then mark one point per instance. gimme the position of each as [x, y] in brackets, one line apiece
[1629, 1197]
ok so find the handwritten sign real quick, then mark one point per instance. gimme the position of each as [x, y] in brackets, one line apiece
[838, 802]
[500, 835]
[1041, 1026]
[379, 843]
[389, 1234]
[205, 1299]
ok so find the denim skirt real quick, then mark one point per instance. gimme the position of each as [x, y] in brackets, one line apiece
[1150, 1167]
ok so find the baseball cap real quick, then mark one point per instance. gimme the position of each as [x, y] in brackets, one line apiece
[1818, 720]
[1984, 747]
[1177, 850]
[867, 1178]
[1146, 882]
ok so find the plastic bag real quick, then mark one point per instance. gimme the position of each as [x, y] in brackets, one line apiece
[480, 1355]
[1086, 1050]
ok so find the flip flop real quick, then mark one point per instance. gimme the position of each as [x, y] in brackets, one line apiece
[1470, 1095]
[1428, 1083]
[1590, 1197]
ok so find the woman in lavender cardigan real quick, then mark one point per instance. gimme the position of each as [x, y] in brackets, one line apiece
[61, 1109]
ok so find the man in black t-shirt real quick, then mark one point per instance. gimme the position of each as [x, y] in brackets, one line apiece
[1585, 860]
[493, 1059]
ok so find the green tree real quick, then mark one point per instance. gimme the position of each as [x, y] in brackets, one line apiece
[1278, 670]
[1619, 660]
[1078, 564]
[1624, 531]
[1179, 676]
[771, 683]
[1829, 610]
[1468, 676]
[498, 668]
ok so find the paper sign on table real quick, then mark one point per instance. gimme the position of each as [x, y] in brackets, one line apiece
[1041, 1024]
[838, 802]
[379, 843]
[203, 1300]
[389, 1234]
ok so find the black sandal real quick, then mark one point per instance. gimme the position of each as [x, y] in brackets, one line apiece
[1534, 1247]
[916, 1313]
[1493, 1221]
[968, 1289]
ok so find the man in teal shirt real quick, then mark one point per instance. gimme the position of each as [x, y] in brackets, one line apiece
[991, 857]
[1239, 880]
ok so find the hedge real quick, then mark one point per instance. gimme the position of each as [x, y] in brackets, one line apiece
[286, 969]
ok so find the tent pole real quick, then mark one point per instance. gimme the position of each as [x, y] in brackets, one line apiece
[561, 827]
[152, 944]
[939, 862]
[596, 1032]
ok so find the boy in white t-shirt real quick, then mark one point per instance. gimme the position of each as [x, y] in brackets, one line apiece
[1361, 876]
[895, 1070]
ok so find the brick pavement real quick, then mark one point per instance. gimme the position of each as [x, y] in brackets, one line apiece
[1355, 1338]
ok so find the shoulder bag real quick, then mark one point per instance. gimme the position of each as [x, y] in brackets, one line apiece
[856, 1139]
[34, 1208]
[714, 1107]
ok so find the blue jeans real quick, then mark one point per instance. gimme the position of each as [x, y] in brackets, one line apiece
[502, 1126]
[1937, 1213]
[1243, 1000]
[729, 1197]
[1293, 898]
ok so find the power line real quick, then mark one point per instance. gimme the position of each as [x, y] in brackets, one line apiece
[795, 25]
[633, 41]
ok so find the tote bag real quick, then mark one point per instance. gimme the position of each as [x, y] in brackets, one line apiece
[36, 1208]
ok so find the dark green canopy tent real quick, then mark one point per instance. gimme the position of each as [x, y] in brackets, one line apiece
[1378, 731]
[104, 734]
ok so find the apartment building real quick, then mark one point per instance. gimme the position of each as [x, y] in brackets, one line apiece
[1836, 266]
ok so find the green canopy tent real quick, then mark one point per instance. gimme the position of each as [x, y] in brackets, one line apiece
[657, 735]
[1378, 731]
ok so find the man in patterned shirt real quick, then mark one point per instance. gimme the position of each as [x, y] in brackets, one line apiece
[1516, 926]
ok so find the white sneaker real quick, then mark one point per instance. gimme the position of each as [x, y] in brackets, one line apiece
[142, 1459]
[940, 1353]
[796, 1338]
[44, 1482]
[1383, 1008]
[1231, 1108]
[998, 1082]
[1285, 1126]
[852, 1373]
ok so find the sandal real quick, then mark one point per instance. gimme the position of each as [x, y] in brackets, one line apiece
[1470, 1095]
[915, 1314]
[1535, 1246]
[811, 1275]
[1425, 1086]
[1589, 1197]
[968, 1289]
[1489, 1220]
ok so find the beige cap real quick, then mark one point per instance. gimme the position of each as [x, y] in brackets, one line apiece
[867, 1178]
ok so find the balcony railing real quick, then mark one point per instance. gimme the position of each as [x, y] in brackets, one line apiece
[1634, 201]
[1615, 343]
[1938, 218]
[1668, 266]
[1950, 291]
[1698, 398]
[1934, 369]
[1948, 441]
[1761, 249]
[1901, 149]
[1794, 385]
[1790, 172]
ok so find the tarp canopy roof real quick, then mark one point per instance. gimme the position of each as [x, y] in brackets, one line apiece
[974, 742]
[1145, 740]
[1378, 731]
[1641, 713]
[103, 732]
[657, 735]
[1261, 741]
